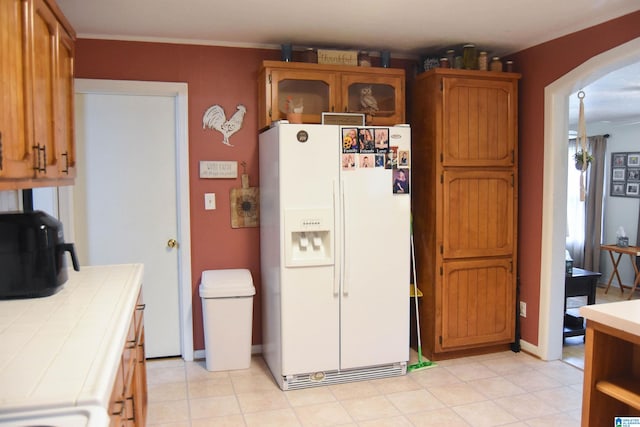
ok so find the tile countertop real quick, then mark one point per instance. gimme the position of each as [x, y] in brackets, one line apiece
[622, 315]
[63, 350]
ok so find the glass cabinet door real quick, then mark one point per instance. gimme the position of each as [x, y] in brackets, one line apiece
[306, 92]
[379, 98]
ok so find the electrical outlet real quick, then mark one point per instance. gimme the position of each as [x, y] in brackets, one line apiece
[523, 309]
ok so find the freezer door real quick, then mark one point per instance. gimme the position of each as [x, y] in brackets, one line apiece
[376, 265]
[309, 172]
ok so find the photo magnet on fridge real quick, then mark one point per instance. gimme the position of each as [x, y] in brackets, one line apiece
[349, 140]
[401, 181]
[381, 140]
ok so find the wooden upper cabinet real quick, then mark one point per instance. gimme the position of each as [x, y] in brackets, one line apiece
[44, 34]
[386, 90]
[313, 91]
[37, 145]
[64, 113]
[479, 121]
[321, 88]
[477, 303]
[15, 141]
[478, 213]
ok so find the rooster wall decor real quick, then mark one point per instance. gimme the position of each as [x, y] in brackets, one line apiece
[214, 118]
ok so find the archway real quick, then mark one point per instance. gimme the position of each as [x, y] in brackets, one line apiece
[554, 199]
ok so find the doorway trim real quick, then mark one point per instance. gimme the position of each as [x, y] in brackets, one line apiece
[556, 114]
[179, 91]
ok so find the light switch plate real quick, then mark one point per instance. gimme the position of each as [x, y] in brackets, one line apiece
[209, 201]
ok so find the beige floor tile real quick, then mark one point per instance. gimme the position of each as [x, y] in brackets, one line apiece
[278, 418]
[209, 407]
[225, 421]
[409, 402]
[167, 412]
[368, 408]
[562, 398]
[457, 394]
[253, 383]
[174, 424]
[323, 414]
[436, 418]
[399, 421]
[310, 396]
[166, 375]
[164, 363]
[353, 390]
[526, 406]
[167, 391]
[434, 377]
[395, 384]
[532, 381]
[197, 371]
[470, 371]
[259, 401]
[210, 388]
[558, 420]
[496, 387]
[484, 413]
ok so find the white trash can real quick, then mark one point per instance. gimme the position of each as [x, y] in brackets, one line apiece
[227, 311]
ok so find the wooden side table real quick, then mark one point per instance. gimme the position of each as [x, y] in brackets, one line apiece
[633, 252]
[580, 283]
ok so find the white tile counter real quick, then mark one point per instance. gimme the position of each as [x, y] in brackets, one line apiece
[63, 351]
[623, 315]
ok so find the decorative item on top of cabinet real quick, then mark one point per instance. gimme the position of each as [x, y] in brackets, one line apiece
[329, 88]
[37, 120]
[464, 207]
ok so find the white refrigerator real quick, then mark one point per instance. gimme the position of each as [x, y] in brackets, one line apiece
[335, 252]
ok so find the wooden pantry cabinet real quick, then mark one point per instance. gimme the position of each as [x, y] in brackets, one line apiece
[37, 145]
[322, 88]
[128, 402]
[464, 202]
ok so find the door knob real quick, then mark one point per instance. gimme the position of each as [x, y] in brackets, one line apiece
[172, 243]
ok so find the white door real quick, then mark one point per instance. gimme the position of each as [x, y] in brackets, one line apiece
[125, 200]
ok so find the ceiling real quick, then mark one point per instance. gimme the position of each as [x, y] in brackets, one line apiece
[408, 28]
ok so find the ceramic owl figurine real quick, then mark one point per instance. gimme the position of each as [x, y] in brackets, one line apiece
[367, 100]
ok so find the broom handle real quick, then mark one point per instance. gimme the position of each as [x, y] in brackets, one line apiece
[415, 286]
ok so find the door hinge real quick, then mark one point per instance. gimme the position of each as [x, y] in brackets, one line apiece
[513, 180]
[441, 157]
[441, 270]
[510, 266]
[269, 78]
[441, 249]
[513, 156]
[440, 339]
[441, 85]
[270, 116]
[442, 178]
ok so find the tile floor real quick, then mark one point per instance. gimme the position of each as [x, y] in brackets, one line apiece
[502, 389]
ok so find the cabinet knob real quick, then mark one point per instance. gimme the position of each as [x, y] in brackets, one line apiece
[172, 243]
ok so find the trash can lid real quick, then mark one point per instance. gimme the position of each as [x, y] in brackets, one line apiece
[226, 283]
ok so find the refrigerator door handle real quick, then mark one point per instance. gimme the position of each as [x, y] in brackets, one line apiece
[337, 265]
[343, 255]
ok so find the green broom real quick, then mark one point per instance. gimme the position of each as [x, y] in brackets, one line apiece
[421, 364]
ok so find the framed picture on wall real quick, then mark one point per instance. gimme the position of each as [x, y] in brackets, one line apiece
[633, 189]
[625, 175]
[618, 174]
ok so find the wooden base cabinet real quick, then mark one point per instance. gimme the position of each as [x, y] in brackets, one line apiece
[128, 403]
[464, 203]
[37, 146]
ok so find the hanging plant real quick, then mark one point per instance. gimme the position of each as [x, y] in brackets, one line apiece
[579, 158]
